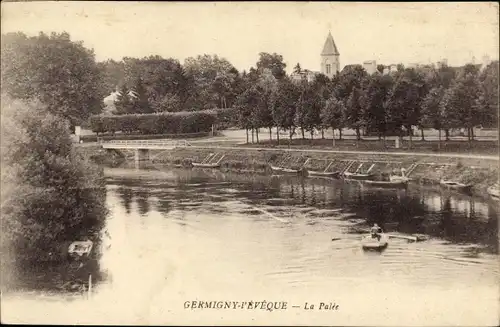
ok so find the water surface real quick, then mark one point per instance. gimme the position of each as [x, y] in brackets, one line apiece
[184, 235]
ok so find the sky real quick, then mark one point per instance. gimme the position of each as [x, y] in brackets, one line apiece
[238, 31]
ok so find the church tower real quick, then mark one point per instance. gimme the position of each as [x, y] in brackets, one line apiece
[330, 64]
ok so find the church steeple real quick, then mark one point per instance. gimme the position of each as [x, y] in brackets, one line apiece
[330, 63]
[330, 48]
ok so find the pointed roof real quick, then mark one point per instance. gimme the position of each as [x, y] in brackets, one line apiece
[330, 48]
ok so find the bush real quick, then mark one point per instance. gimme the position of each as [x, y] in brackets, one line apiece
[159, 123]
[50, 194]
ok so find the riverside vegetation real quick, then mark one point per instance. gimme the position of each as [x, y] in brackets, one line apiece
[51, 195]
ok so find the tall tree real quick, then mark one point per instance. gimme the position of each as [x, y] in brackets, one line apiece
[297, 69]
[211, 81]
[374, 111]
[285, 101]
[59, 72]
[123, 102]
[140, 100]
[488, 80]
[433, 115]
[332, 115]
[354, 111]
[273, 62]
[461, 100]
[246, 104]
[404, 100]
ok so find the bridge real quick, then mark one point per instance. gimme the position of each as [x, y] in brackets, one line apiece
[142, 147]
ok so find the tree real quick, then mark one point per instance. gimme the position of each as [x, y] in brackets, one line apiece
[488, 80]
[354, 111]
[61, 73]
[159, 77]
[50, 194]
[274, 62]
[212, 80]
[313, 104]
[284, 106]
[374, 113]
[461, 101]
[140, 102]
[300, 108]
[433, 114]
[404, 100]
[246, 104]
[123, 102]
[267, 87]
[297, 69]
[169, 103]
[332, 115]
[113, 73]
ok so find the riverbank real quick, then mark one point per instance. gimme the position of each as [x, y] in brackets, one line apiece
[429, 168]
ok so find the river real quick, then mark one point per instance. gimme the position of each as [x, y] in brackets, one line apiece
[194, 235]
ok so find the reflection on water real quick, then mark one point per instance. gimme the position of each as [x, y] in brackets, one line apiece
[193, 234]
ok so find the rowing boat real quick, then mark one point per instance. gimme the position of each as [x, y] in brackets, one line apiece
[323, 173]
[370, 242]
[284, 170]
[456, 186]
[358, 176]
[387, 184]
[494, 191]
[206, 165]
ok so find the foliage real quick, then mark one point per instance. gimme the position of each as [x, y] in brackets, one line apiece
[333, 112]
[159, 123]
[62, 74]
[212, 82]
[50, 194]
[374, 110]
[285, 101]
[488, 80]
[273, 62]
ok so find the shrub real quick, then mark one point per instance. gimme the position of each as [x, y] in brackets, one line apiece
[159, 123]
[50, 194]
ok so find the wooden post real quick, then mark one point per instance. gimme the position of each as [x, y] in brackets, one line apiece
[397, 143]
[90, 287]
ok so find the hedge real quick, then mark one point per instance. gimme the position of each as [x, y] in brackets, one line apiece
[118, 136]
[162, 123]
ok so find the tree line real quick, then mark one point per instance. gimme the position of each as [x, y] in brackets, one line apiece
[442, 98]
[66, 76]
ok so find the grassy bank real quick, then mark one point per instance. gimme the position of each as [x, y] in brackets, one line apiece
[486, 147]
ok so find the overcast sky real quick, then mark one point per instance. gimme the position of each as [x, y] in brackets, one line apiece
[385, 32]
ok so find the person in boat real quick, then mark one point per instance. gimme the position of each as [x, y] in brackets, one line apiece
[376, 231]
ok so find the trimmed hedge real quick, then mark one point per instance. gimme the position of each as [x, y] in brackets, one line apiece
[162, 123]
[108, 137]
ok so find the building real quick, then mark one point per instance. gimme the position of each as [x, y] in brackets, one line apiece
[330, 57]
[306, 74]
[370, 66]
[442, 63]
[329, 61]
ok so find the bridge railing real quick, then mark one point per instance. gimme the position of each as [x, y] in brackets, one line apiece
[135, 143]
